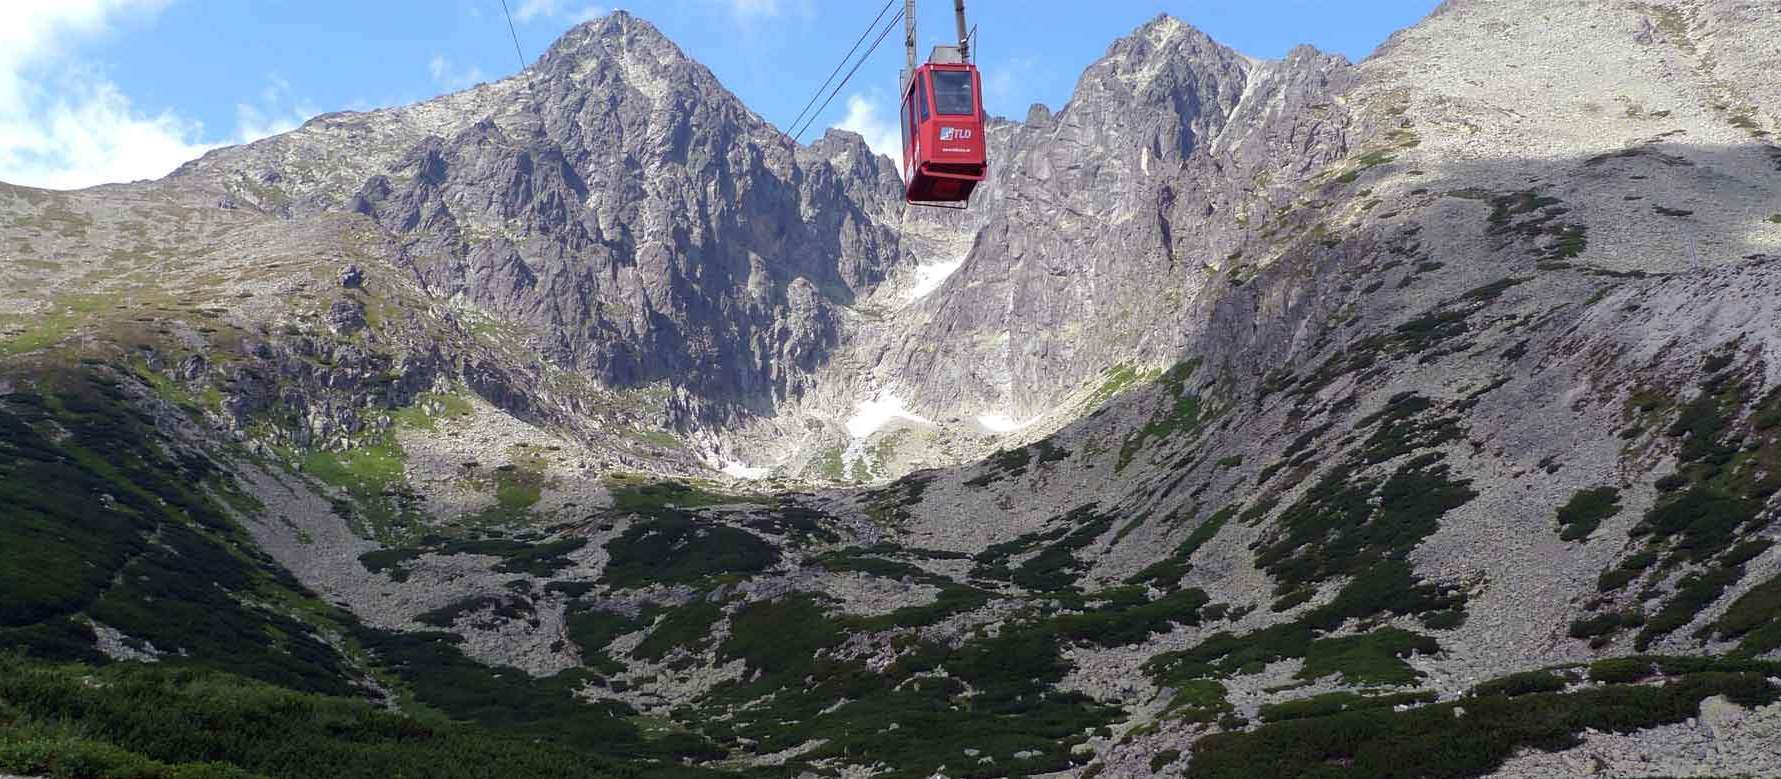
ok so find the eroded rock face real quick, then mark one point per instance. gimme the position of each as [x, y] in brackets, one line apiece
[645, 224]
[620, 207]
[1108, 217]
[639, 224]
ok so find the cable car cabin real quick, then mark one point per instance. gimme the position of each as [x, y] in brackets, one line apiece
[943, 146]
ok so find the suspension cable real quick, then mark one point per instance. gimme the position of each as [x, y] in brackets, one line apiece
[842, 63]
[515, 34]
[531, 88]
[856, 68]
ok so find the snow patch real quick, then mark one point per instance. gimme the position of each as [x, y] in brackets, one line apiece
[1002, 423]
[752, 473]
[874, 414]
[929, 277]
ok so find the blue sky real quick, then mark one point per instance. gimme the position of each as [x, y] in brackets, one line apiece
[107, 90]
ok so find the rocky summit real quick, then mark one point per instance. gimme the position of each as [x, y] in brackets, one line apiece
[1415, 417]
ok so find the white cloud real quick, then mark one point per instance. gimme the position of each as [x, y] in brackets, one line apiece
[755, 7]
[1010, 81]
[252, 123]
[552, 9]
[531, 9]
[64, 125]
[879, 130]
[449, 77]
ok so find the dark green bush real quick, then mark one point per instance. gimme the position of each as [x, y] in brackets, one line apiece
[1521, 684]
[1755, 617]
[1621, 670]
[165, 723]
[677, 547]
[1584, 512]
[1436, 742]
[1335, 702]
[1162, 759]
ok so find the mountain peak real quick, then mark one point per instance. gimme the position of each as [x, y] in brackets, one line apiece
[617, 31]
[1165, 32]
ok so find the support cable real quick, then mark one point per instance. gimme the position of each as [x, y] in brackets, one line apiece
[842, 63]
[856, 68]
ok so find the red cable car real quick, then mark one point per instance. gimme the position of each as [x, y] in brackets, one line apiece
[943, 150]
[943, 144]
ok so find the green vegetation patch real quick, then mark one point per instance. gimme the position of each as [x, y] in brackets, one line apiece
[383, 507]
[49, 328]
[130, 720]
[108, 521]
[1337, 702]
[159, 722]
[60, 752]
[1118, 379]
[1523, 683]
[1167, 572]
[518, 486]
[1369, 658]
[1754, 618]
[1359, 528]
[1534, 217]
[1055, 567]
[687, 627]
[953, 598]
[1181, 411]
[508, 699]
[541, 559]
[1439, 742]
[992, 694]
[429, 408]
[502, 608]
[633, 495]
[1362, 163]
[1495, 289]
[890, 505]
[593, 630]
[678, 547]
[1013, 463]
[1639, 668]
[1584, 512]
[1127, 617]
[1708, 518]
[1348, 523]
[1198, 700]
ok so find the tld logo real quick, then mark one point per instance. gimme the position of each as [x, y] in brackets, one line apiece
[955, 134]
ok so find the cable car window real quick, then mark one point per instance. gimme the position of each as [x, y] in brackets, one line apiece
[921, 97]
[907, 124]
[952, 92]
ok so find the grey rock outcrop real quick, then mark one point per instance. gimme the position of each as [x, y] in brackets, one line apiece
[629, 215]
[1111, 215]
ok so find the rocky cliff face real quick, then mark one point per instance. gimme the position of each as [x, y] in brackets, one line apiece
[1110, 216]
[1412, 417]
[619, 206]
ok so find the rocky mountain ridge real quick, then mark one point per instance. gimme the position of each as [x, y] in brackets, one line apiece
[616, 204]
